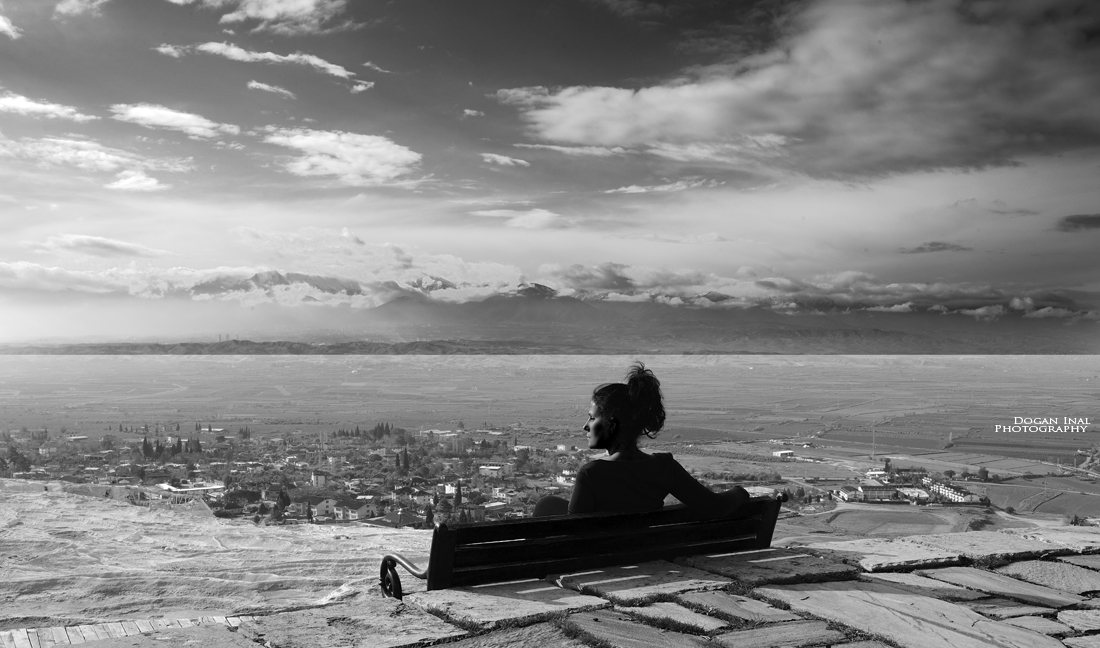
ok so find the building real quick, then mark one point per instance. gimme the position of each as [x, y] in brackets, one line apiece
[950, 492]
[495, 469]
[875, 491]
[784, 454]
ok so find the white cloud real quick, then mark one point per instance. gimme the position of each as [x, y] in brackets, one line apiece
[235, 53]
[355, 159]
[1051, 311]
[14, 103]
[529, 219]
[95, 246]
[361, 86]
[374, 67]
[504, 160]
[77, 7]
[135, 180]
[587, 151]
[154, 116]
[256, 85]
[467, 112]
[985, 312]
[32, 276]
[288, 17]
[87, 155]
[679, 185]
[907, 307]
[859, 87]
[8, 29]
[174, 51]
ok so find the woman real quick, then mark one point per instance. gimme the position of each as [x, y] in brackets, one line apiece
[627, 479]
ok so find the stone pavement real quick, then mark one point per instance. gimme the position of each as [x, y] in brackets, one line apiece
[1033, 588]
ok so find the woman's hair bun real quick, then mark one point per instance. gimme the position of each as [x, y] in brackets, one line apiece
[644, 391]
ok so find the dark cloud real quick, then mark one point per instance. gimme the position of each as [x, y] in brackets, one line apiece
[935, 246]
[1079, 223]
[606, 276]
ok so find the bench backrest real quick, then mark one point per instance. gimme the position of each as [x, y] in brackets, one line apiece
[472, 554]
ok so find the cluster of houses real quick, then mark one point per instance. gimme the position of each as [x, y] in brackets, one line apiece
[875, 489]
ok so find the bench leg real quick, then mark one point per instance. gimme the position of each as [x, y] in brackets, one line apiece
[389, 580]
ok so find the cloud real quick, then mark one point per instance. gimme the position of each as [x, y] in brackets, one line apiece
[1050, 311]
[374, 67]
[935, 246]
[587, 151]
[235, 53]
[679, 185]
[32, 276]
[154, 116]
[14, 103]
[907, 307]
[87, 155]
[529, 219]
[8, 29]
[504, 160]
[467, 112]
[256, 85]
[361, 86]
[985, 312]
[95, 246]
[171, 50]
[134, 180]
[361, 160]
[77, 7]
[289, 17]
[858, 88]
[1079, 223]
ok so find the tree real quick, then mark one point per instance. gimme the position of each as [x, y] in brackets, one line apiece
[429, 516]
[800, 493]
[983, 473]
[949, 473]
[458, 494]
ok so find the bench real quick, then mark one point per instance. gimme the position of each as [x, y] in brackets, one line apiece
[489, 552]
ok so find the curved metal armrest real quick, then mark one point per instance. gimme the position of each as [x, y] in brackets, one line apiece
[388, 578]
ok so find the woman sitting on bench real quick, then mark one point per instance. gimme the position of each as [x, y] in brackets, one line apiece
[628, 480]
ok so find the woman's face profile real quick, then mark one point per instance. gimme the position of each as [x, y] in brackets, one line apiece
[598, 429]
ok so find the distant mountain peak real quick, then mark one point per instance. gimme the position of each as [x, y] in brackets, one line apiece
[535, 290]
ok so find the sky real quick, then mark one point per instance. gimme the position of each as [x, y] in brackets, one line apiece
[891, 155]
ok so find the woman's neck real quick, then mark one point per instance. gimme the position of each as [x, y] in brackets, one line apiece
[631, 453]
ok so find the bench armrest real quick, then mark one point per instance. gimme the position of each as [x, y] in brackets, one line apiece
[388, 578]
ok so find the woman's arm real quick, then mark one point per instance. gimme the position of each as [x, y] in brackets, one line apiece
[696, 496]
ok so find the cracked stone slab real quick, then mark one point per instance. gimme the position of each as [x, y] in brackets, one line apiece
[777, 566]
[782, 635]
[731, 606]
[902, 617]
[883, 554]
[985, 544]
[1002, 585]
[999, 608]
[543, 635]
[618, 630]
[663, 612]
[1089, 562]
[515, 603]
[363, 623]
[637, 584]
[179, 637]
[924, 585]
[861, 644]
[1091, 641]
[1063, 539]
[1081, 620]
[1040, 624]
[1056, 575]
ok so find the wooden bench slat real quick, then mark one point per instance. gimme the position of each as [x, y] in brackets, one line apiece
[536, 568]
[572, 524]
[600, 542]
